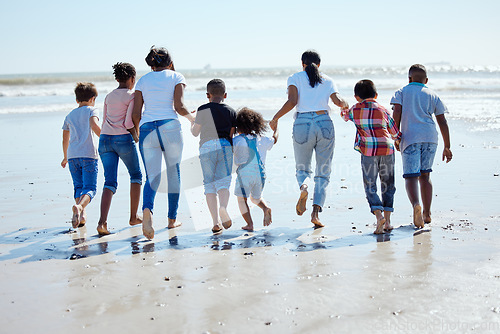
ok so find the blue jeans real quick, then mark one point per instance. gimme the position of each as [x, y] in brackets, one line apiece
[314, 133]
[115, 147]
[84, 174]
[216, 158]
[418, 158]
[157, 139]
[379, 166]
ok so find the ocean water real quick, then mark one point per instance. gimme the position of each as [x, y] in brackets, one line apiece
[471, 93]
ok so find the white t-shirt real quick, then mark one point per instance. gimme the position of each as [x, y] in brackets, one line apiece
[240, 148]
[312, 99]
[157, 90]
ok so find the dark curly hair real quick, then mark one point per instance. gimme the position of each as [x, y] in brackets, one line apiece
[158, 57]
[250, 122]
[123, 71]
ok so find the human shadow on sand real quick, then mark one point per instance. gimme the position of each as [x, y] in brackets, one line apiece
[62, 243]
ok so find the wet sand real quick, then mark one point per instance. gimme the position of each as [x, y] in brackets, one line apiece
[286, 278]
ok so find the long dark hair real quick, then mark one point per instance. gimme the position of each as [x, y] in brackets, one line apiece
[159, 57]
[311, 59]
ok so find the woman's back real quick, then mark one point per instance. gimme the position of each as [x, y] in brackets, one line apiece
[312, 98]
[157, 90]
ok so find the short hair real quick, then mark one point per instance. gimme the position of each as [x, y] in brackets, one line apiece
[250, 122]
[216, 87]
[123, 71]
[158, 57]
[84, 91]
[418, 72]
[365, 89]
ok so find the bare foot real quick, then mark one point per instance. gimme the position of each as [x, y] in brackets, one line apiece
[217, 229]
[147, 224]
[301, 203]
[380, 225]
[172, 223]
[315, 217]
[102, 229]
[135, 221]
[77, 215]
[387, 226]
[418, 221]
[248, 228]
[224, 217]
[267, 217]
[84, 219]
[427, 218]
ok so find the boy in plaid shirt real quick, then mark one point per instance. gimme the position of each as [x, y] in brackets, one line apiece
[375, 127]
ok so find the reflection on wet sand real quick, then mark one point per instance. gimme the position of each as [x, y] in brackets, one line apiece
[53, 243]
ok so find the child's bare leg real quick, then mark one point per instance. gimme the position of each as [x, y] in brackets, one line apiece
[387, 216]
[412, 191]
[135, 197]
[426, 194]
[102, 225]
[315, 216]
[245, 212]
[301, 203]
[78, 211]
[267, 210]
[147, 224]
[84, 215]
[212, 207]
[223, 200]
[380, 222]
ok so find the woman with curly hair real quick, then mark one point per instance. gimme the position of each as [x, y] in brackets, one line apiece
[250, 148]
[161, 92]
[117, 141]
[309, 91]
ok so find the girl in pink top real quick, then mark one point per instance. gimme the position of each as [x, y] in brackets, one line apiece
[117, 141]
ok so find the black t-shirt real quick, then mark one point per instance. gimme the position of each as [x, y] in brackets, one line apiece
[216, 120]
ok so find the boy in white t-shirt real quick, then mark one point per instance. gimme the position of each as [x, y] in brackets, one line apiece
[80, 149]
[250, 149]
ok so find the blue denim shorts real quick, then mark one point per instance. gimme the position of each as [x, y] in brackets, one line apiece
[84, 174]
[418, 159]
[216, 158]
[249, 182]
[115, 147]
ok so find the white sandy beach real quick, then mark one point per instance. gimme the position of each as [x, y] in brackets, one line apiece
[287, 278]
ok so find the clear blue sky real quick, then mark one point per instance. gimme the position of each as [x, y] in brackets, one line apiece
[74, 36]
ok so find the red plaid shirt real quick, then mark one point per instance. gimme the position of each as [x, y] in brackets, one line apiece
[375, 127]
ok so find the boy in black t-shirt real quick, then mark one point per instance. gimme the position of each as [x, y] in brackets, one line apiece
[215, 124]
